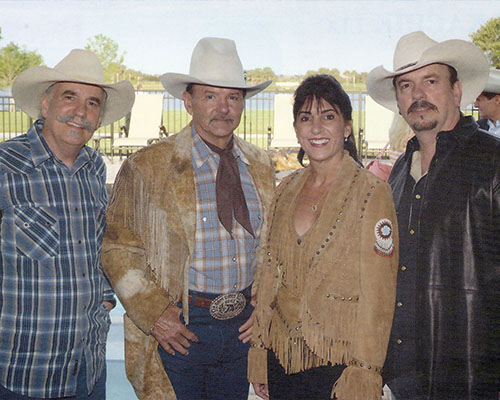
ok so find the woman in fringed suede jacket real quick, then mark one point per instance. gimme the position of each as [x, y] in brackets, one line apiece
[327, 283]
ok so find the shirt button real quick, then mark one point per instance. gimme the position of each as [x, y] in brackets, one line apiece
[79, 242]
[234, 259]
[412, 232]
[234, 286]
[403, 267]
[399, 341]
[417, 196]
[26, 225]
[204, 219]
[76, 208]
[299, 241]
[399, 304]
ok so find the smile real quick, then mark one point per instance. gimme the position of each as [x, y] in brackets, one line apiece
[318, 142]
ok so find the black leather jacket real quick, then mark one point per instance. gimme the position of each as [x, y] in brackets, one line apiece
[458, 265]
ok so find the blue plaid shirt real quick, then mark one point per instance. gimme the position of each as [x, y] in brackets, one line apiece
[51, 281]
[222, 263]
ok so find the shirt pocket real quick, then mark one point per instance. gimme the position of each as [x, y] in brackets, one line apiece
[37, 231]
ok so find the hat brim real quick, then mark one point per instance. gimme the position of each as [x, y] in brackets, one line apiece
[175, 84]
[30, 85]
[467, 59]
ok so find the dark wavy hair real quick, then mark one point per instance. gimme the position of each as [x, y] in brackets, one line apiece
[325, 87]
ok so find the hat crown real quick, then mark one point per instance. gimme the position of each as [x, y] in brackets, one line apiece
[493, 84]
[82, 65]
[410, 48]
[216, 59]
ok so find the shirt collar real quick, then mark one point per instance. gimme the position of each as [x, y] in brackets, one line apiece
[41, 151]
[202, 153]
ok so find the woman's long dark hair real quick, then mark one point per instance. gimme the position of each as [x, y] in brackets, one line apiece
[325, 87]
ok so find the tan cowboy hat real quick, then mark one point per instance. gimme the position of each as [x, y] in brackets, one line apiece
[416, 50]
[214, 62]
[493, 84]
[81, 66]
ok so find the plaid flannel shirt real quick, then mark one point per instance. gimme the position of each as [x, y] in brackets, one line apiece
[221, 263]
[51, 281]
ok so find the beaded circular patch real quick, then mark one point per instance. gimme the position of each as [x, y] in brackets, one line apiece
[384, 244]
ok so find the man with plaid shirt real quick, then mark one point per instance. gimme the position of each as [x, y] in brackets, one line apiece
[184, 223]
[54, 297]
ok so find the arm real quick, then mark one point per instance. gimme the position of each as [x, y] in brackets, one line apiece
[124, 256]
[362, 380]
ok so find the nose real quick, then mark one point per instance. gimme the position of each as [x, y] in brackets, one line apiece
[418, 92]
[476, 103]
[80, 109]
[316, 126]
[223, 105]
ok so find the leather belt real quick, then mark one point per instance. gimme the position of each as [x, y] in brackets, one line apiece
[224, 306]
[206, 303]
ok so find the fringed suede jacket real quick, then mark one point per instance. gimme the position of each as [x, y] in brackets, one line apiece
[328, 296]
[149, 241]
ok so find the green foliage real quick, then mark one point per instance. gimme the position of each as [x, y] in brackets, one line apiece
[258, 75]
[487, 37]
[108, 52]
[14, 60]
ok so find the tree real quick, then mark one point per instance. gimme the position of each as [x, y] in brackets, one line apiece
[108, 52]
[487, 37]
[259, 75]
[14, 60]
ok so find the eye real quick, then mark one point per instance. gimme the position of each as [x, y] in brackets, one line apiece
[69, 97]
[305, 118]
[330, 117]
[234, 97]
[404, 85]
[210, 97]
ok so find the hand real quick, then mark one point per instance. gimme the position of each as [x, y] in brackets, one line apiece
[171, 333]
[261, 390]
[108, 305]
[246, 329]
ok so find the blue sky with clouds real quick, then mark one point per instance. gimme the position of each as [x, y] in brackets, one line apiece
[290, 36]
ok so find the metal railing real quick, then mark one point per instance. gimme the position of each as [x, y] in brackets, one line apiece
[256, 124]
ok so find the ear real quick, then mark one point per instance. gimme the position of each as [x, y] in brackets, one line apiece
[44, 106]
[457, 92]
[348, 128]
[188, 102]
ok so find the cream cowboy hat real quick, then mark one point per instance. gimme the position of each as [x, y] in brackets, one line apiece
[214, 62]
[493, 84]
[80, 66]
[416, 50]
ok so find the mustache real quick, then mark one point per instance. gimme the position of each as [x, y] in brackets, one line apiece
[86, 124]
[421, 104]
[224, 117]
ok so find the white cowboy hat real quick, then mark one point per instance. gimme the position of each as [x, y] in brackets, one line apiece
[214, 62]
[493, 84]
[416, 50]
[80, 66]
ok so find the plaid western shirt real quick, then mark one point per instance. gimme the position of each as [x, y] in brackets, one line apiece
[221, 263]
[51, 281]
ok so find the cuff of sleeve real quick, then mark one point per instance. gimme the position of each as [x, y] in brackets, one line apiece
[257, 365]
[358, 383]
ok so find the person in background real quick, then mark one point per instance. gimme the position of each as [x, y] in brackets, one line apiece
[488, 103]
[54, 297]
[328, 278]
[399, 134]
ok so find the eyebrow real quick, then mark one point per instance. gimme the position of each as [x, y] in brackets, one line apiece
[71, 92]
[430, 75]
[322, 111]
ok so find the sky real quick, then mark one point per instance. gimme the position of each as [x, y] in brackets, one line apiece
[290, 36]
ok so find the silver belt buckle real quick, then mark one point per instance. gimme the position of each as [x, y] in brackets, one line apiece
[227, 306]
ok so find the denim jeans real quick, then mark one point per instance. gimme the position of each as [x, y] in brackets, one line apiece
[98, 393]
[216, 366]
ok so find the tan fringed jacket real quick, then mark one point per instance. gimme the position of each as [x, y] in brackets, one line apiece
[345, 288]
[149, 241]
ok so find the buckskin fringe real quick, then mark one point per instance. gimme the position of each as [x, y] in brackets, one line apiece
[358, 384]
[149, 222]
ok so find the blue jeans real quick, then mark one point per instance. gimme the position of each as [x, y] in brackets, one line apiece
[98, 393]
[216, 366]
